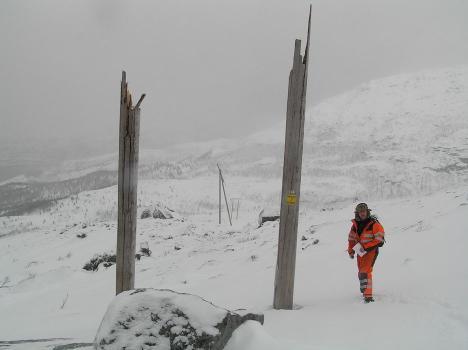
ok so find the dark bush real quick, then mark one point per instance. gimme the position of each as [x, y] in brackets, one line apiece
[107, 260]
[145, 251]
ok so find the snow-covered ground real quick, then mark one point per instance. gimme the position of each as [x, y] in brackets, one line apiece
[399, 143]
[421, 277]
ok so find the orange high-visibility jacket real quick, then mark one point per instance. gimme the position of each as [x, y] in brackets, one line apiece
[372, 235]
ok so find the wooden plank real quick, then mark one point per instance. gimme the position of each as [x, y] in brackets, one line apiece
[127, 189]
[292, 168]
[120, 216]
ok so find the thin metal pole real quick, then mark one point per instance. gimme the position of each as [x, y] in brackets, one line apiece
[225, 199]
[232, 207]
[219, 192]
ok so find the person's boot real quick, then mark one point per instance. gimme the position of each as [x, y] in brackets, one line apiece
[368, 300]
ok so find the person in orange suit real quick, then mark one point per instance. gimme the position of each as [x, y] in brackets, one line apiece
[369, 233]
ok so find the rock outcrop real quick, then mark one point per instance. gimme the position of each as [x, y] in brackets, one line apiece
[164, 319]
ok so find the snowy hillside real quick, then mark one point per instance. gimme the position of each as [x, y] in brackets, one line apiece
[397, 136]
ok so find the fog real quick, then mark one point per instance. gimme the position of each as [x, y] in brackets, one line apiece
[210, 68]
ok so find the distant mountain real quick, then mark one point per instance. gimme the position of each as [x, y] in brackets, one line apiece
[20, 198]
[392, 137]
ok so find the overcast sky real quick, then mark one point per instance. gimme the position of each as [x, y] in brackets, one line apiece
[210, 68]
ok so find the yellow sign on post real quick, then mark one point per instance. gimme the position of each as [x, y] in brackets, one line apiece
[292, 198]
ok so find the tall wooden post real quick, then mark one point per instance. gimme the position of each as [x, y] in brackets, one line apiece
[127, 188]
[292, 167]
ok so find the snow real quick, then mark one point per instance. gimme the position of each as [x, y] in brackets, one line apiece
[411, 168]
[252, 336]
[420, 277]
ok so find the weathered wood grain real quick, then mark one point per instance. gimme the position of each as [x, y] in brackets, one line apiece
[292, 168]
[129, 134]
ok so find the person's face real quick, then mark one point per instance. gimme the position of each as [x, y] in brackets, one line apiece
[362, 214]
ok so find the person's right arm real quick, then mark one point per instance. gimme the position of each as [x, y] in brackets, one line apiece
[352, 241]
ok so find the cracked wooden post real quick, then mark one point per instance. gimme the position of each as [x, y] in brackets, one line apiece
[127, 188]
[292, 167]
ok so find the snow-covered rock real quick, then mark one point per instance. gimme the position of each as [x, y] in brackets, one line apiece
[161, 213]
[268, 215]
[145, 214]
[164, 319]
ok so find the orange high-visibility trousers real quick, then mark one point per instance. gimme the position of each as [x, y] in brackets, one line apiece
[365, 266]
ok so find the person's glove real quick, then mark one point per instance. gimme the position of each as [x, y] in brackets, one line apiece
[351, 255]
